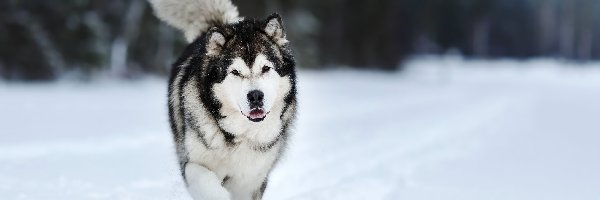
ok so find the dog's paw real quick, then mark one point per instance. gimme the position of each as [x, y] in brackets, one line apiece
[208, 192]
[203, 184]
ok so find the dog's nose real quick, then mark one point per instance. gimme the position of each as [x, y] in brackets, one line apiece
[255, 97]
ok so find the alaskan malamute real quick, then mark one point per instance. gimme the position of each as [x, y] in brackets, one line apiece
[232, 97]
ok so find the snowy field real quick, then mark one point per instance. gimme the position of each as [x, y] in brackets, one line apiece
[443, 129]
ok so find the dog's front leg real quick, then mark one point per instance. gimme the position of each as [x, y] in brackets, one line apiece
[204, 184]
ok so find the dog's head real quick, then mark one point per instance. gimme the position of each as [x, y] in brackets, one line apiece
[247, 72]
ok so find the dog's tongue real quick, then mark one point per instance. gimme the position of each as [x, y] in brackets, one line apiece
[257, 114]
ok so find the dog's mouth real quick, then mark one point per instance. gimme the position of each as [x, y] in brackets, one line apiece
[257, 115]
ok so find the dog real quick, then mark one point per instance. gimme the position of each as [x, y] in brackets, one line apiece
[231, 97]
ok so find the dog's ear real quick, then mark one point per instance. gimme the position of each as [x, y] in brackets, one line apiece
[214, 42]
[274, 29]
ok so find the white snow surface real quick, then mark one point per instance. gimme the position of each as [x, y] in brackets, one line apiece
[445, 128]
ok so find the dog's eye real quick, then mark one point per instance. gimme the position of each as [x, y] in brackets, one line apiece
[235, 72]
[265, 69]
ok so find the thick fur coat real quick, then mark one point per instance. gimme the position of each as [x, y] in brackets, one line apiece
[232, 97]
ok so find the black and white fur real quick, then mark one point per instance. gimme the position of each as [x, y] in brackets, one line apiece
[232, 97]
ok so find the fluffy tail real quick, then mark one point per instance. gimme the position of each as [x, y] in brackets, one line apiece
[193, 17]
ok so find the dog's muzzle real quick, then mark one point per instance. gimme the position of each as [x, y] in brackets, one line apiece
[255, 100]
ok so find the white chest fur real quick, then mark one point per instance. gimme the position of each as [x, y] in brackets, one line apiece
[244, 167]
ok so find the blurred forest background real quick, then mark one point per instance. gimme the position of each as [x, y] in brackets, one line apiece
[46, 40]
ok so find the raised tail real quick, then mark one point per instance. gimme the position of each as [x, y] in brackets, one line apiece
[193, 17]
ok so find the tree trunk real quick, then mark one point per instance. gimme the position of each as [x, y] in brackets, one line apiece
[164, 52]
[41, 38]
[548, 27]
[120, 45]
[481, 32]
[567, 31]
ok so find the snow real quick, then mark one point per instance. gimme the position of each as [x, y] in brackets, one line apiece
[445, 128]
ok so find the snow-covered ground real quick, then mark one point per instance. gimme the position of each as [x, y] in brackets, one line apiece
[443, 129]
